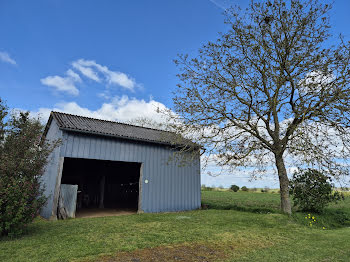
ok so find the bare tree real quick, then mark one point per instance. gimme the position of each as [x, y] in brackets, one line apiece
[272, 90]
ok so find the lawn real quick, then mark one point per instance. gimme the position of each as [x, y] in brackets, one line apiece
[242, 226]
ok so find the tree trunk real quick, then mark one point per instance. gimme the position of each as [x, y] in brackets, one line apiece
[284, 185]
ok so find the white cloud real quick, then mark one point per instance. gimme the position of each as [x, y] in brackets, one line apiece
[86, 69]
[90, 69]
[292, 170]
[105, 95]
[120, 109]
[64, 84]
[315, 81]
[5, 57]
[120, 79]
[74, 76]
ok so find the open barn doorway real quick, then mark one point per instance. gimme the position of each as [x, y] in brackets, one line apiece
[104, 187]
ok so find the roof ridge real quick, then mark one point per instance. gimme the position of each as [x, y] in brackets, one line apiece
[110, 121]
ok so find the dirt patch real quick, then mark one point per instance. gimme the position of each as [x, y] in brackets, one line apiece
[229, 246]
[183, 253]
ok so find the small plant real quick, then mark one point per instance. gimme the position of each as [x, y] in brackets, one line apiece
[313, 191]
[310, 220]
[244, 188]
[234, 188]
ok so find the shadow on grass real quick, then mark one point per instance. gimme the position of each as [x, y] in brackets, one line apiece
[334, 218]
[339, 216]
[259, 210]
[329, 218]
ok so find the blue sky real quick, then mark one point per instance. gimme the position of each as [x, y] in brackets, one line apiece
[110, 59]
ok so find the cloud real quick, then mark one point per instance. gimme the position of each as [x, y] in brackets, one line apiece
[90, 69]
[64, 84]
[316, 81]
[5, 57]
[74, 76]
[86, 70]
[221, 4]
[121, 109]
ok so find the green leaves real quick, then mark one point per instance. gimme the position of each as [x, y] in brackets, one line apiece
[313, 191]
[22, 161]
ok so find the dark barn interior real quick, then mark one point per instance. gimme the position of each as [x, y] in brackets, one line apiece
[103, 184]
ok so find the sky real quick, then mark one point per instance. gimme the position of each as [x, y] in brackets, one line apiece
[110, 59]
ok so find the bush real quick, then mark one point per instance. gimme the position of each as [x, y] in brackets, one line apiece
[206, 188]
[22, 161]
[313, 191]
[265, 190]
[244, 188]
[234, 188]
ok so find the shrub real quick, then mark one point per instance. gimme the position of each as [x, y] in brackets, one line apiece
[265, 190]
[312, 191]
[234, 188]
[22, 161]
[244, 188]
[206, 188]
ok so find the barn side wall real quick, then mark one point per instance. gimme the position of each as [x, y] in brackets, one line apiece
[170, 187]
[49, 177]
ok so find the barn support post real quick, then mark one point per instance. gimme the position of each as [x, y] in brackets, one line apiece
[102, 191]
[57, 189]
[139, 206]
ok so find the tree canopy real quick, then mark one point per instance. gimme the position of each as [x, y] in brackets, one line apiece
[272, 90]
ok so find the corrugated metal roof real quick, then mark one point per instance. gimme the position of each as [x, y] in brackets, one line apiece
[109, 128]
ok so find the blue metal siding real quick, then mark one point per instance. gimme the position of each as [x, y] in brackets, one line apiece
[49, 178]
[171, 187]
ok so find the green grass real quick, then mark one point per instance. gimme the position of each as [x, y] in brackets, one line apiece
[247, 226]
[335, 216]
[242, 201]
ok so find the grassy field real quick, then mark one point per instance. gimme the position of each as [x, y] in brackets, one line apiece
[242, 226]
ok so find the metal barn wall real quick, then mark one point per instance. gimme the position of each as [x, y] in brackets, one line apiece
[170, 188]
[49, 178]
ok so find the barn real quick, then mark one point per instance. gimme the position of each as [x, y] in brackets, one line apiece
[104, 165]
